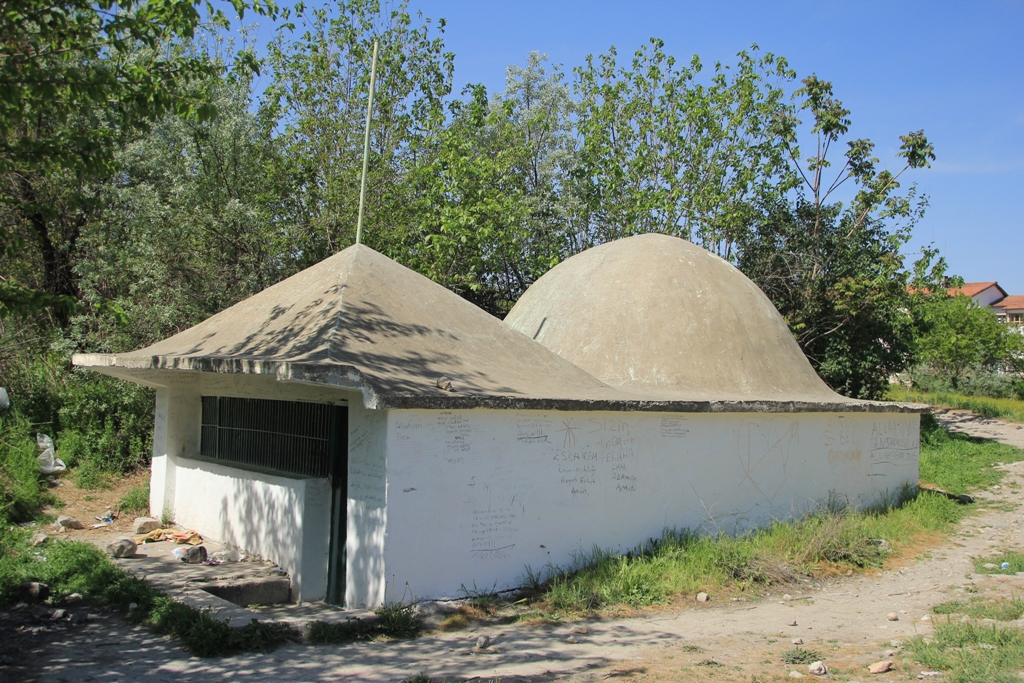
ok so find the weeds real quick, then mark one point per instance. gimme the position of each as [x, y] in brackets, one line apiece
[968, 653]
[394, 620]
[956, 462]
[1003, 408]
[1013, 559]
[798, 655]
[134, 499]
[69, 567]
[981, 608]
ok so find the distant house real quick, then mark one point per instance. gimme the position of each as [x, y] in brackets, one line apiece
[983, 293]
[1010, 310]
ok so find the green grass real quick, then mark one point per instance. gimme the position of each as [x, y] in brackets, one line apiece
[983, 608]
[134, 500]
[969, 653]
[22, 492]
[69, 567]
[683, 563]
[1011, 557]
[394, 620]
[1002, 408]
[958, 463]
[89, 476]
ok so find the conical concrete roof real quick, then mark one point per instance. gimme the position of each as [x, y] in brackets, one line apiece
[660, 316]
[637, 313]
[361, 312]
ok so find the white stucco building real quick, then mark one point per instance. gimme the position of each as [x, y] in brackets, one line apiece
[383, 439]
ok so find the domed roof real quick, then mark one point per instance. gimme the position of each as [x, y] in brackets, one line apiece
[659, 316]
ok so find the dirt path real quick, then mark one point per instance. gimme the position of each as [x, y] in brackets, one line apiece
[846, 620]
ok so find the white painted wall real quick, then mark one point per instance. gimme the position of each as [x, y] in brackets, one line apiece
[280, 518]
[475, 496]
[367, 512]
[283, 519]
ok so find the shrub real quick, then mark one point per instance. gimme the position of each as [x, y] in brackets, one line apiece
[21, 492]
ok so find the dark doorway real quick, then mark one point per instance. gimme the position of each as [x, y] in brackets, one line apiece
[339, 508]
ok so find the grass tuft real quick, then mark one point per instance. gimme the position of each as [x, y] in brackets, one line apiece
[134, 500]
[968, 653]
[983, 608]
[70, 567]
[799, 655]
[394, 620]
[1014, 559]
[996, 408]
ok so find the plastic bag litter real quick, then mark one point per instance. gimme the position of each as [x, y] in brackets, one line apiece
[47, 463]
[226, 555]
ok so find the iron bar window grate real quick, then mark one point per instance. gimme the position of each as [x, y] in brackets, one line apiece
[285, 436]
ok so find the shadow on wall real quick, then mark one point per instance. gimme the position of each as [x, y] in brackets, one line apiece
[366, 557]
[264, 520]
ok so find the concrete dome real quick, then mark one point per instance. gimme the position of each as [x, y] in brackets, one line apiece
[660, 317]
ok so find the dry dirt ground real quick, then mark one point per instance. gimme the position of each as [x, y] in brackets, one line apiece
[844, 619]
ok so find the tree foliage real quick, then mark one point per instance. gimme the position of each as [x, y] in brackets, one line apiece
[77, 80]
[958, 337]
[147, 183]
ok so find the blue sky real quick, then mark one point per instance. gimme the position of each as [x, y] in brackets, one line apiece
[954, 69]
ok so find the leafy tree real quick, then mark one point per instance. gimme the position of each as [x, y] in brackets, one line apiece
[320, 90]
[959, 336]
[835, 271]
[661, 152]
[492, 215]
[77, 79]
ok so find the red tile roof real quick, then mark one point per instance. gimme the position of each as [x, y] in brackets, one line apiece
[973, 288]
[1015, 302]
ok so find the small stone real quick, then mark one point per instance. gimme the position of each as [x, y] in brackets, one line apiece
[892, 616]
[33, 591]
[58, 614]
[797, 641]
[795, 674]
[68, 522]
[880, 667]
[144, 525]
[989, 565]
[122, 547]
[817, 669]
[895, 644]
[582, 630]
[482, 642]
[890, 653]
[926, 618]
[792, 623]
[132, 606]
[79, 617]
[787, 596]
[572, 639]
[39, 538]
[194, 554]
[444, 384]
[702, 597]
[73, 598]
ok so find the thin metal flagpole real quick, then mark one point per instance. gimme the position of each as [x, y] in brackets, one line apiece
[366, 148]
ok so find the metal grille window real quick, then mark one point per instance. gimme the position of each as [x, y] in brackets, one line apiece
[286, 436]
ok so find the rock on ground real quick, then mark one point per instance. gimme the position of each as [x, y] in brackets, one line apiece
[122, 547]
[69, 522]
[143, 525]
